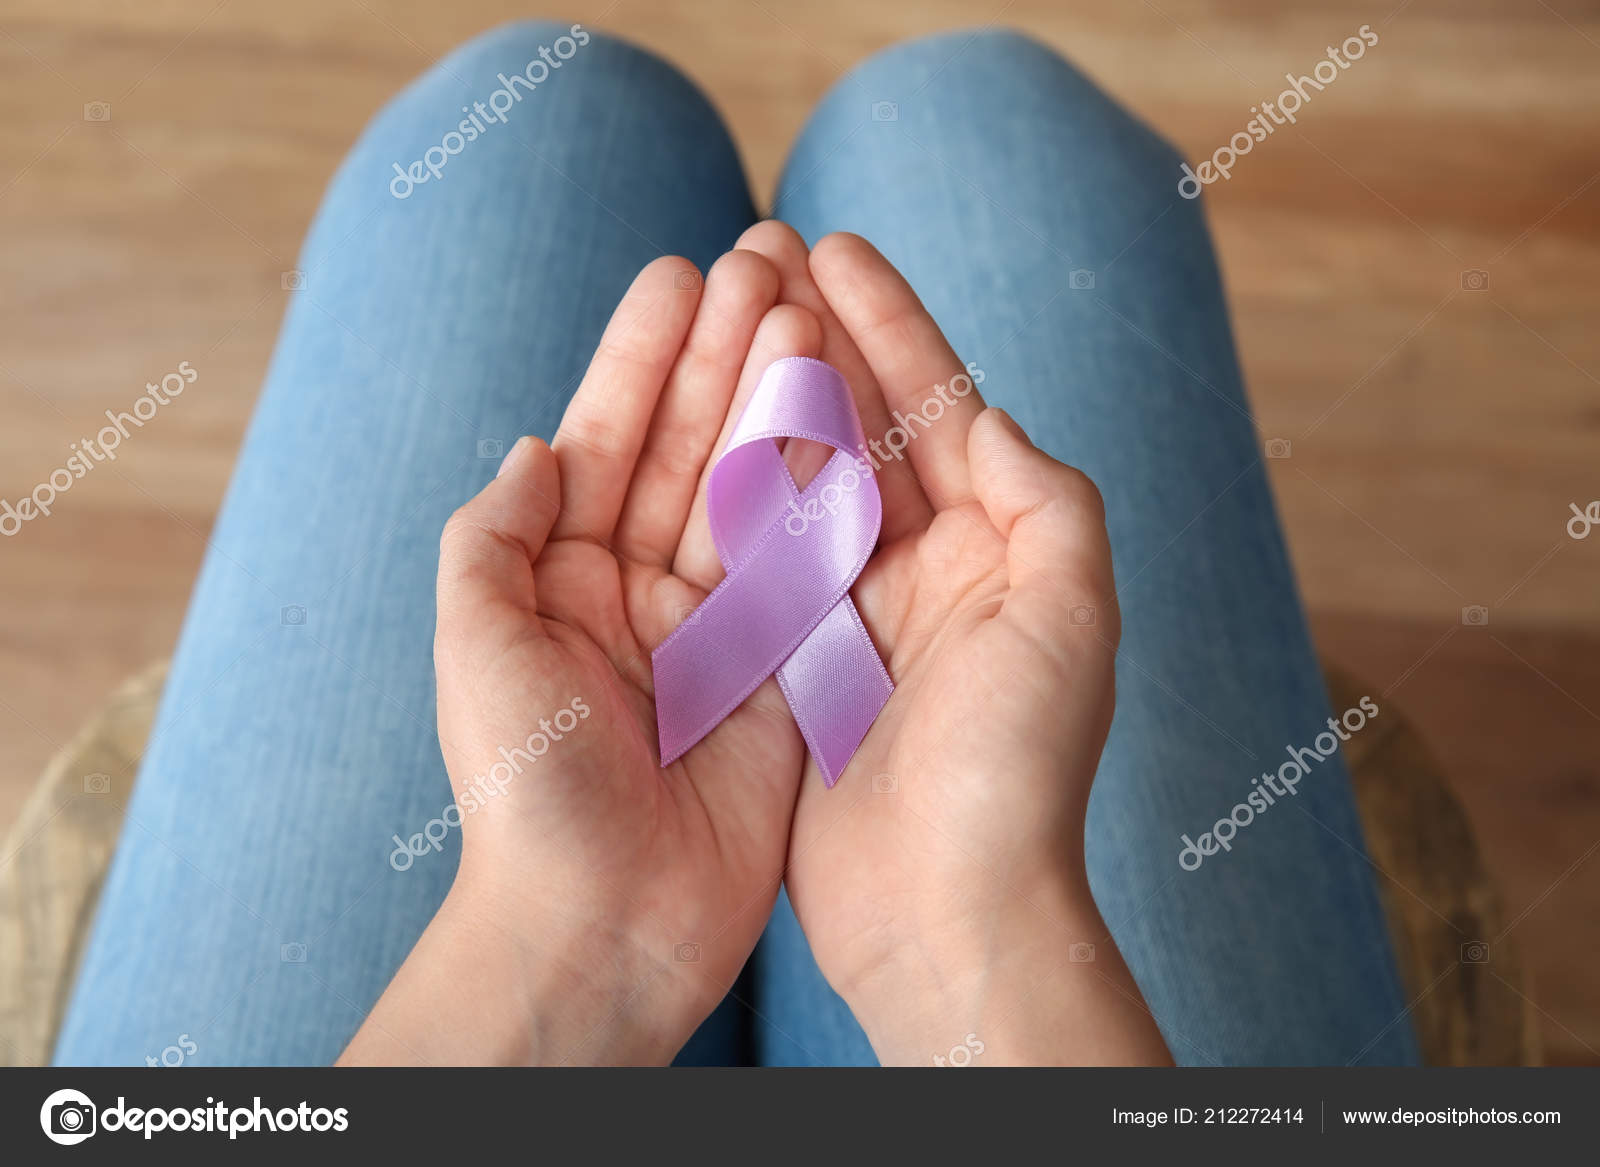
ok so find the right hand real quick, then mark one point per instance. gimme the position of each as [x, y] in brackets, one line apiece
[943, 877]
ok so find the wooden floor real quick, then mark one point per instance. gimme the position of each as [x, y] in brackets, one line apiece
[1438, 430]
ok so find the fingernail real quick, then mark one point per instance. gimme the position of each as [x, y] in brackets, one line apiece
[512, 455]
[1009, 424]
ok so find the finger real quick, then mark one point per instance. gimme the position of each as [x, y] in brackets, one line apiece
[488, 546]
[788, 331]
[905, 506]
[931, 399]
[1058, 555]
[604, 427]
[739, 289]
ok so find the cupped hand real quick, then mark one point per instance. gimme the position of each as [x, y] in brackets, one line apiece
[554, 585]
[941, 883]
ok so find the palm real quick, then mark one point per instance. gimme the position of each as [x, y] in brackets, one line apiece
[718, 816]
[971, 709]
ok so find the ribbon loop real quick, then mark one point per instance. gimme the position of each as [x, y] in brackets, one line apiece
[791, 556]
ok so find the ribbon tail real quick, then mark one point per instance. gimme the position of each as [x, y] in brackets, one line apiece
[836, 686]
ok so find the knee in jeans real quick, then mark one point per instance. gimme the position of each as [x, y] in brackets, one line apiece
[529, 52]
[522, 75]
[462, 96]
[495, 73]
[1010, 72]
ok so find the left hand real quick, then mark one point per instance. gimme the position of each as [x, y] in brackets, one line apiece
[618, 900]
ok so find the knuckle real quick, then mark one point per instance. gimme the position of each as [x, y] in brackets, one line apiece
[460, 524]
[1081, 494]
[674, 450]
[593, 436]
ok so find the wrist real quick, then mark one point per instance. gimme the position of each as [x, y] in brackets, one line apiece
[1031, 979]
[486, 987]
[593, 983]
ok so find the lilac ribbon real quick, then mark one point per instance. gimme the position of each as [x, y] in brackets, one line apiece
[791, 556]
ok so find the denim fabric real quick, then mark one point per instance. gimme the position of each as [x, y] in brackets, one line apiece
[254, 903]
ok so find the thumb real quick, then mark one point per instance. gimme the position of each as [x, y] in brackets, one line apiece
[1058, 555]
[488, 546]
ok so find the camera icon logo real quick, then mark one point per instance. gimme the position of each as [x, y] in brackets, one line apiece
[686, 280]
[1081, 953]
[491, 448]
[97, 783]
[1081, 280]
[1475, 615]
[885, 111]
[1475, 952]
[686, 953]
[1081, 614]
[1278, 447]
[67, 1117]
[1474, 280]
[293, 952]
[97, 111]
[885, 784]
[294, 616]
[294, 281]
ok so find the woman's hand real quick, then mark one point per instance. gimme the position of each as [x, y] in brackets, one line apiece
[607, 905]
[941, 883]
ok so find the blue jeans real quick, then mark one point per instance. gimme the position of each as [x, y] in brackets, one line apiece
[253, 906]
